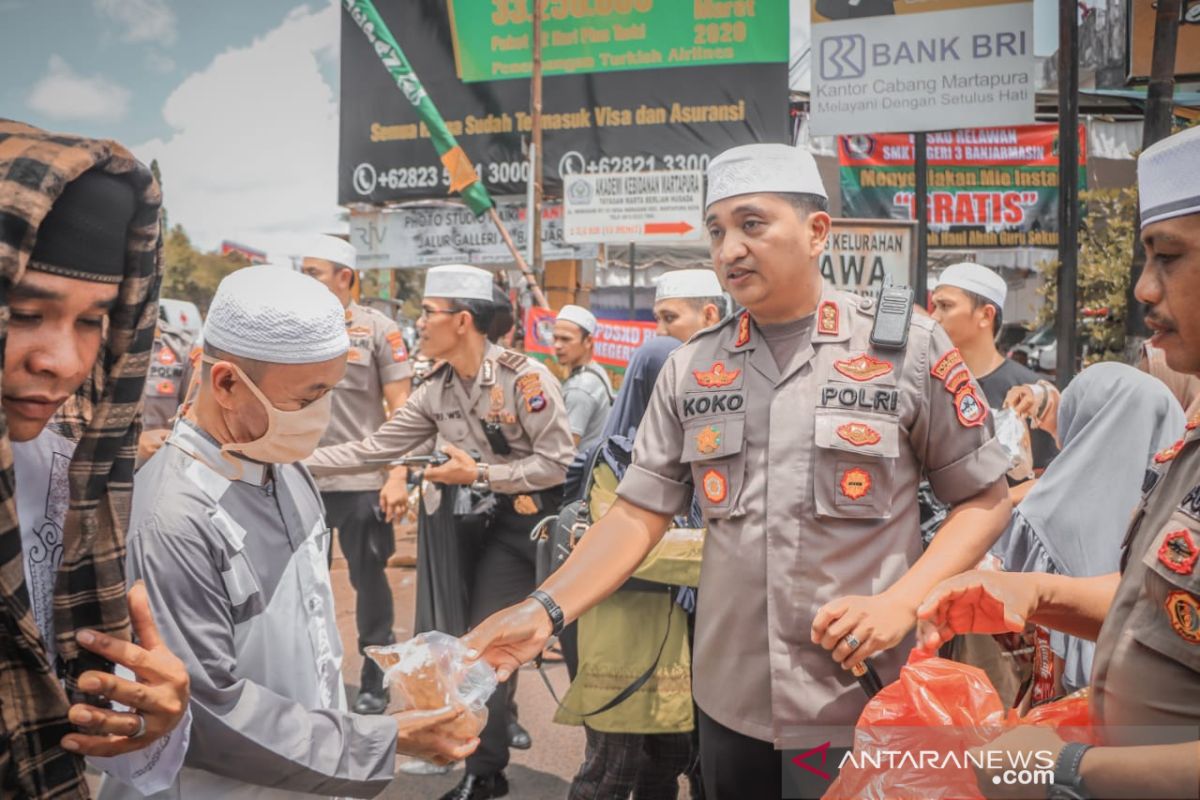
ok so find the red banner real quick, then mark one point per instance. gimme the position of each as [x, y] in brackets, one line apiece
[1021, 145]
[616, 340]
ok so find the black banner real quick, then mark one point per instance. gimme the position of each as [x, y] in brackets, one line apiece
[661, 119]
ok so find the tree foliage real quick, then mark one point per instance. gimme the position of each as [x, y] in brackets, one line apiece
[189, 274]
[1106, 238]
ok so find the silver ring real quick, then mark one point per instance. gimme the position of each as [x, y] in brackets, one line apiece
[851, 642]
[141, 726]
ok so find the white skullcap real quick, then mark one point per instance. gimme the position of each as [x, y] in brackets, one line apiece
[753, 168]
[688, 283]
[978, 279]
[459, 282]
[331, 248]
[276, 315]
[1167, 184]
[580, 316]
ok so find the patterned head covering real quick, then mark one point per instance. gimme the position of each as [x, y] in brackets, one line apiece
[35, 166]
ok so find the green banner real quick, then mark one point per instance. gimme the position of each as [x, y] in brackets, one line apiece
[492, 39]
[462, 172]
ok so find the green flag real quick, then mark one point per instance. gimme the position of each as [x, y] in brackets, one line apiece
[462, 172]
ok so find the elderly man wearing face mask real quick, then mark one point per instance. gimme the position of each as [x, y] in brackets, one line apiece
[229, 534]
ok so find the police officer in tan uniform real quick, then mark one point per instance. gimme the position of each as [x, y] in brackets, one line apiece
[804, 424]
[166, 384]
[508, 410]
[378, 373]
[1146, 619]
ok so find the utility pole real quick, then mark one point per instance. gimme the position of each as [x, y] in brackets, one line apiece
[1068, 189]
[921, 210]
[1156, 126]
[538, 265]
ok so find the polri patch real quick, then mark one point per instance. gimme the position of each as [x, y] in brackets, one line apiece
[1163, 456]
[951, 359]
[828, 319]
[971, 411]
[1183, 610]
[535, 403]
[715, 487]
[855, 483]
[863, 367]
[399, 351]
[716, 376]
[743, 335]
[956, 380]
[1178, 552]
[166, 356]
[529, 384]
[859, 434]
[708, 440]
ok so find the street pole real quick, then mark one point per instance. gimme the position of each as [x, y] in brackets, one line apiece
[1156, 126]
[632, 282]
[539, 268]
[921, 190]
[1068, 188]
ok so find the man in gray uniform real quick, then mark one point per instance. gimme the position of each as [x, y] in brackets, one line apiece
[1145, 620]
[804, 428]
[228, 534]
[587, 390]
[507, 409]
[377, 372]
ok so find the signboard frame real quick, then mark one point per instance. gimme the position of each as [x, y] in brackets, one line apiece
[674, 221]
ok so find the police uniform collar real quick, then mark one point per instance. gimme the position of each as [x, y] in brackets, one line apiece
[200, 445]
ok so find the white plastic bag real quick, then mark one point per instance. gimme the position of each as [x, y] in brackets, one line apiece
[431, 671]
[1013, 435]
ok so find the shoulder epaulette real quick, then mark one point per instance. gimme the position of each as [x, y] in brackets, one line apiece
[512, 359]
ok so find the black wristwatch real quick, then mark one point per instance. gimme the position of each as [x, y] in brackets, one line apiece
[557, 618]
[1067, 783]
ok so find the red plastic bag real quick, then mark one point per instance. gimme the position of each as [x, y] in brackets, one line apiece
[911, 740]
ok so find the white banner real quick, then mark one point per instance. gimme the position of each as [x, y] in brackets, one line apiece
[969, 67]
[640, 207]
[427, 236]
[864, 255]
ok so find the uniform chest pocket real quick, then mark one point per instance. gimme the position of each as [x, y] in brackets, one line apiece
[1168, 614]
[358, 374]
[454, 430]
[714, 449]
[854, 464]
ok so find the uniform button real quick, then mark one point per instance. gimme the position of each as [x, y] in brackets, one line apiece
[866, 303]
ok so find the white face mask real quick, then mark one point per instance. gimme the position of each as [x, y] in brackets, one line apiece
[291, 435]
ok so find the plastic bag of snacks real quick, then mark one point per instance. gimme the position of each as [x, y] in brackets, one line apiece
[1013, 435]
[431, 671]
[926, 722]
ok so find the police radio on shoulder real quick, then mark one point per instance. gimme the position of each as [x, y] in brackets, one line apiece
[892, 318]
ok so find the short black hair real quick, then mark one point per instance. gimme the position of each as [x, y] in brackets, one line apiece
[699, 303]
[978, 300]
[503, 319]
[805, 203]
[483, 312]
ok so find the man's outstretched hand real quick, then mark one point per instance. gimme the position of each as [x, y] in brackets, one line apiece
[975, 602]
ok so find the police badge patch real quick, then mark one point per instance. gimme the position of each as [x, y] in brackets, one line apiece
[1178, 552]
[971, 411]
[855, 483]
[715, 487]
[828, 319]
[1183, 610]
[1163, 456]
[951, 359]
[716, 376]
[708, 440]
[859, 434]
[863, 367]
[743, 336]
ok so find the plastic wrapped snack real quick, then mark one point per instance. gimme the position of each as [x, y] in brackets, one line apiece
[1013, 435]
[431, 671]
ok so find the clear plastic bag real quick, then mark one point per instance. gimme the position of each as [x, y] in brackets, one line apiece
[1013, 435]
[431, 671]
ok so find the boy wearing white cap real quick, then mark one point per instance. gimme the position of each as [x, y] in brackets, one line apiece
[587, 391]
[378, 373]
[508, 410]
[969, 304]
[228, 533]
[803, 428]
[1145, 620]
[687, 301]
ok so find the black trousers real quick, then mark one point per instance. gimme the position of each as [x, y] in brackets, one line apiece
[504, 575]
[367, 542]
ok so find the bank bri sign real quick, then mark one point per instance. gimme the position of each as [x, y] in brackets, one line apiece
[915, 65]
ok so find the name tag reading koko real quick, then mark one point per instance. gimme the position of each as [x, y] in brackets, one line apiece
[861, 397]
[715, 403]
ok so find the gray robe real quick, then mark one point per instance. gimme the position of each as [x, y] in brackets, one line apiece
[235, 566]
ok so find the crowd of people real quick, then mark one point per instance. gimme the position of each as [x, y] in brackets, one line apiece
[169, 507]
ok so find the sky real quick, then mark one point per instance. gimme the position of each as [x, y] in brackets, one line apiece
[237, 99]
